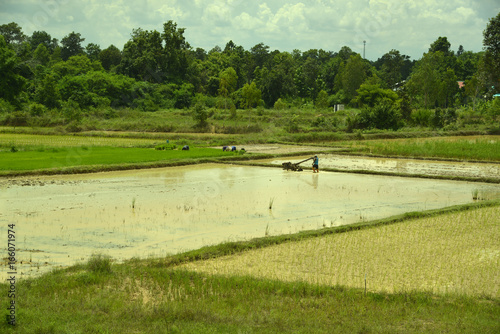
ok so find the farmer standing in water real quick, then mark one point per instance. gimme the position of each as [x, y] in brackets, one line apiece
[316, 164]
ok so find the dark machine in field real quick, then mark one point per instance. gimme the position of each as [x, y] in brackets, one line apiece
[294, 167]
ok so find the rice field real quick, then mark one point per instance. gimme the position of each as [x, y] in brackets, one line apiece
[467, 148]
[456, 253]
[7, 140]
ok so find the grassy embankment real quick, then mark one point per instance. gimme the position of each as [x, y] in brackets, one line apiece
[293, 287]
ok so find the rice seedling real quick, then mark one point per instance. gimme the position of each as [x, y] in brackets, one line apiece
[453, 253]
[271, 202]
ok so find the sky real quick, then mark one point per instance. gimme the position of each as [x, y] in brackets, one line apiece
[409, 26]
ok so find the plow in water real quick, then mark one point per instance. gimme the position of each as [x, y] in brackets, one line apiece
[294, 166]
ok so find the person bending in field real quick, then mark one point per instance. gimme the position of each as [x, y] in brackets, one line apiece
[316, 164]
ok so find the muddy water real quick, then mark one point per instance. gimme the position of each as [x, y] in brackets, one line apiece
[62, 220]
[404, 166]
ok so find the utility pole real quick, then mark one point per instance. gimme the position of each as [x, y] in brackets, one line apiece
[364, 48]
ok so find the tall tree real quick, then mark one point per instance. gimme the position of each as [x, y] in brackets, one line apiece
[491, 44]
[71, 45]
[109, 57]
[142, 56]
[175, 51]
[41, 54]
[251, 95]
[11, 83]
[432, 82]
[391, 66]
[354, 75]
[12, 33]
[228, 81]
[441, 44]
[41, 37]
[93, 50]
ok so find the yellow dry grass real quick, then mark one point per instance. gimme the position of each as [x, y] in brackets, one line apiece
[453, 253]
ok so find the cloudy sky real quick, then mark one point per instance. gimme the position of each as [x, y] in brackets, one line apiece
[409, 26]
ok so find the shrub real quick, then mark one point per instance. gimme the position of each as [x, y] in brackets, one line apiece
[6, 107]
[200, 116]
[165, 147]
[422, 117]
[280, 105]
[384, 115]
[99, 263]
[36, 109]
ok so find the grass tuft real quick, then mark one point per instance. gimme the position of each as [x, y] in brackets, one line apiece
[99, 264]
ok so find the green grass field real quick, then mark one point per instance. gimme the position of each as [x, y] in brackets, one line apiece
[99, 155]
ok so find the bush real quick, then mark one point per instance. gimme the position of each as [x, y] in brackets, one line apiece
[6, 107]
[200, 116]
[280, 105]
[17, 118]
[384, 115]
[36, 109]
[99, 263]
[422, 117]
[165, 147]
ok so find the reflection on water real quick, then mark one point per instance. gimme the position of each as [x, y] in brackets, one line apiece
[61, 220]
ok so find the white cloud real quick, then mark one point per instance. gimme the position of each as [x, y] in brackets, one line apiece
[409, 26]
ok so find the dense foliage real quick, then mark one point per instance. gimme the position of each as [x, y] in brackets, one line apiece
[43, 78]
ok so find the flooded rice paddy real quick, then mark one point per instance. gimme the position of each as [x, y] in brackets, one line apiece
[401, 166]
[62, 220]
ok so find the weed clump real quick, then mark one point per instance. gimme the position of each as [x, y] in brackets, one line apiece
[99, 263]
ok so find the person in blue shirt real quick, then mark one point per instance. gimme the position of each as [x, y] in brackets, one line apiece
[316, 164]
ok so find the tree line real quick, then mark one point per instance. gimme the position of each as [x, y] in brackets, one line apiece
[160, 70]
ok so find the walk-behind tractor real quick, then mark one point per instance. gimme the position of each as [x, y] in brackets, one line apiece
[294, 167]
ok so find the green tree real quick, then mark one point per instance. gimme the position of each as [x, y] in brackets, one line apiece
[175, 52]
[227, 83]
[353, 76]
[41, 54]
[200, 116]
[391, 67]
[12, 33]
[441, 44]
[432, 82]
[491, 42]
[11, 82]
[321, 100]
[42, 37]
[424, 81]
[110, 57]
[47, 92]
[371, 94]
[251, 95]
[92, 51]
[142, 56]
[71, 45]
